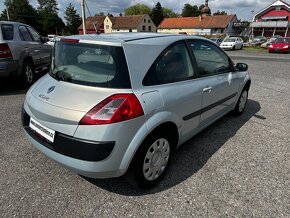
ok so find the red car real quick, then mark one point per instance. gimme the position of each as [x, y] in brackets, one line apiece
[280, 45]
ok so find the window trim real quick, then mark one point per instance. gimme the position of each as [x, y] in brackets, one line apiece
[194, 76]
[231, 63]
[28, 33]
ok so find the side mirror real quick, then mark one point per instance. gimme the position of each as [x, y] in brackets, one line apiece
[242, 66]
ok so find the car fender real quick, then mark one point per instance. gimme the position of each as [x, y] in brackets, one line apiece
[149, 126]
[245, 78]
[24, 55]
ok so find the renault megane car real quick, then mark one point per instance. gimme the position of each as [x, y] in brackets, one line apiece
[113, 103]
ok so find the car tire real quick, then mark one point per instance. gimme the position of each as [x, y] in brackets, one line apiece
[152, 159]
[234, 47]
[241, 47]
[241, 103]
[28, 74]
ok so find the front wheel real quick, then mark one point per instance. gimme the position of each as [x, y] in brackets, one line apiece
[242, 102]
[152, 159]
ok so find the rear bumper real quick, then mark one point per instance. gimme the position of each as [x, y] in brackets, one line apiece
[88, 158]
[8, 68]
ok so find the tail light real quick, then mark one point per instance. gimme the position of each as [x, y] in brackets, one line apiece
[5, 51]
[114, 109]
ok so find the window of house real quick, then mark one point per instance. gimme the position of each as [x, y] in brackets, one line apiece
[144, 28]
[149, 21]
[172, 65]
[210, 59]
[24, 34]
[278, 8]
[144, 20]
[149, 28]
[107, 26]
[130, 30]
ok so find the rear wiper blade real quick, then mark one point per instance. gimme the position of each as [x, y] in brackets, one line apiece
[62, 75]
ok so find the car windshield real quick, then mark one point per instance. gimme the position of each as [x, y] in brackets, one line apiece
[214, 40]
[282, 40]
[92, 65]
[230, 40]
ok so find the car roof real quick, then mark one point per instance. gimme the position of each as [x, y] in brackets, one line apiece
[10, 22]
[132, 38]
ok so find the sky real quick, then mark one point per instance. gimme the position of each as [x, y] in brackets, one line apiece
[244, 9]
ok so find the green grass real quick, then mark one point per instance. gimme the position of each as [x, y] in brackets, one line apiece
[255, 48]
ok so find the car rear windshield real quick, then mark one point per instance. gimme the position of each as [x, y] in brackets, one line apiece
[230, 40]
[7, 31]
[92, 65]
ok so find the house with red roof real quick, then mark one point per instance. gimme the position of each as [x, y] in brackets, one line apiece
[272, 20]
[108, 24]
[202, 25]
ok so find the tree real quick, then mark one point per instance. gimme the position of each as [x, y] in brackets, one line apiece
[100, 14]
[190, 11]
[167, 13]
[157, 14]
[220, 13]
[49, 19]
[21, 11]
[137, 10]
[73, 20]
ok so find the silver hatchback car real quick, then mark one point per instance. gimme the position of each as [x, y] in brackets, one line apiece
[118, 102]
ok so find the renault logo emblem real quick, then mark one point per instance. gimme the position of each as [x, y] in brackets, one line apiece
[50, 89]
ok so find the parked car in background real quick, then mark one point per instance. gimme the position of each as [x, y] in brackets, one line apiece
[260, 39]
[103, 109]
[280, 45]
[232, 43]
[217, 41]
[22, 51]
[269, 41]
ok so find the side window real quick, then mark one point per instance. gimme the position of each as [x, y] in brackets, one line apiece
[24, 34]
[34, 34]
[210, 59]
[7, 31]
[171, 66]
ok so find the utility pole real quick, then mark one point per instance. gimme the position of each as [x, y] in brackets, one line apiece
[7, 12]
[84, 17]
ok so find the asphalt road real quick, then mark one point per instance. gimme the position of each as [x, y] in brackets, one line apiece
[239, 167]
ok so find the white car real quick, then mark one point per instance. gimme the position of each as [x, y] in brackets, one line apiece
[113, 103]
[232, 43]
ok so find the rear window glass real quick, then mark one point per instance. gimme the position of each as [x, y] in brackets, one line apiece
[92, 65]
[7, 31]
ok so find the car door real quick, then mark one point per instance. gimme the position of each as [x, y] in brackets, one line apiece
[31, 47]
[172, 87]
[219, 82]
[44, 50]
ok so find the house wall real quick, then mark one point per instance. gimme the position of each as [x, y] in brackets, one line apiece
[146, 22]
[230, 28]
[273, 12]
[177, 31]
[124, 30]
[107, 25]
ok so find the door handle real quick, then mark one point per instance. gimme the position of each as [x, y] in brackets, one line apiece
[207, 89]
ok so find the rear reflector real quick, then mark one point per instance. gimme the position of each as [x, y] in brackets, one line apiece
[114, 109]
[69, 40]
[5, 51]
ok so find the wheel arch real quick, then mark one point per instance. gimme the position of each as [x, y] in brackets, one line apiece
[170, 125]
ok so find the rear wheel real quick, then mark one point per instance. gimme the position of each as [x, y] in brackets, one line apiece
[242, 102]
[242, 47]
[28, 73]
[152, 159]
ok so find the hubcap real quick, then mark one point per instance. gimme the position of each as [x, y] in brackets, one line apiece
[28, 74]
[156, 159]
[243, 101]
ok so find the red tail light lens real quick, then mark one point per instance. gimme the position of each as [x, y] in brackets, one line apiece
[5, 51]
[114, 109]
[69, 40]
